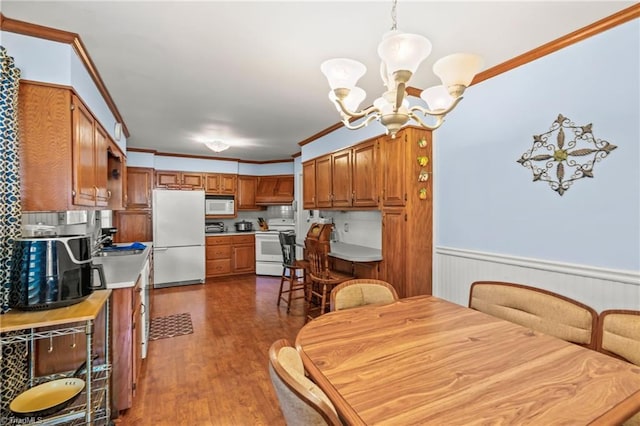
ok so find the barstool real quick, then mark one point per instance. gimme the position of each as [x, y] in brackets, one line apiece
[290, 268]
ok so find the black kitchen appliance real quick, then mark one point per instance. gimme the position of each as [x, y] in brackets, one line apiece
[51, 272]
[214, 227]
[106, 236]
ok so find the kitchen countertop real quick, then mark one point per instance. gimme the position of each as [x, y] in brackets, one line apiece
[123, 271]
[355, 253]
[222, 234]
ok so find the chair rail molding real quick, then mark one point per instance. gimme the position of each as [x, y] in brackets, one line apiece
[601, 288]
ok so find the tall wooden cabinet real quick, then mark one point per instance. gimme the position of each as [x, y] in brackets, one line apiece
[407, 211]
[135, 222]
[64, 151]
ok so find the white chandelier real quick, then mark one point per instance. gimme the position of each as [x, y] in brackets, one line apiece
[216, 145]
[401, 54]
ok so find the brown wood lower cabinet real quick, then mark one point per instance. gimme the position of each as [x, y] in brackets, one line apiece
[126, 355]
[231, 255]
[357, 269]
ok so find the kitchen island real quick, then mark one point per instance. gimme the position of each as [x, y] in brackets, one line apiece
[359, 261]
[123, 271]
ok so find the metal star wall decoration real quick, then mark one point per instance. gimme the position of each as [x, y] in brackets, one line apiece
[567, 160]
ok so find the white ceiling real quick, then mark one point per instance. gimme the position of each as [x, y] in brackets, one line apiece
[248, 72]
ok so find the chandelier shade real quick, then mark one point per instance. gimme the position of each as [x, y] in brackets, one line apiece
[401, 54]
[342, 72]
[403, 51]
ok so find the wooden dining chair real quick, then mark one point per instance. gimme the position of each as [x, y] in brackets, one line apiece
[537, 309]
[291, 269]
[323, 278]
[619, 336]
[359, 292]
[302, 402]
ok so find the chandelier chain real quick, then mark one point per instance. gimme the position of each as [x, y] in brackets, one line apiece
[394, 19]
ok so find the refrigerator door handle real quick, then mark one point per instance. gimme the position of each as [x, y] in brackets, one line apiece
[160, 248]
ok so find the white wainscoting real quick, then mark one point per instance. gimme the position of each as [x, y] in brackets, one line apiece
[456, 269]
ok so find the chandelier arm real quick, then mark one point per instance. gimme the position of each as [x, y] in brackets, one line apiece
[360, 114]
[439, 121]
[369, 119]
[440, 112]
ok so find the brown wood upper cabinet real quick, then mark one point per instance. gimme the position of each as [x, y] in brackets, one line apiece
[63, 156]
[274, 190]
[348, 178]
[139, 186]
[171, 179]
[219, 183]
[246, 197]
[116, 177]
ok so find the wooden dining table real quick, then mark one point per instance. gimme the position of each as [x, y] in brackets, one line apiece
[424, 360]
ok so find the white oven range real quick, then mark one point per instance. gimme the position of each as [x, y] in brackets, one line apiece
[268, 251]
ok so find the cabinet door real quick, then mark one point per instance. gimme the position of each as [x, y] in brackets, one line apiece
[136, 349]
[323, 181]
[228, 184]
[246, 199]
[394, 249]
[122, 345]
[101, 144]
[309, 185]
[394, 170]
[212, 183]
[244, 258]
[192, 180]
[168, 179]
[133, 225]
[139, 185]
[341, 179]
[83, 155]
[365, 175]
[266, 187]
[284, 189]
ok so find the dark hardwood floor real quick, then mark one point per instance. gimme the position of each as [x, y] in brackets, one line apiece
[218, 375]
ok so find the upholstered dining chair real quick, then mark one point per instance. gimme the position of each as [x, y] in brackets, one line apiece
[301, 401]
[323, 278]
[359, 292]
[619, 336]
[296, 282]
[540, 310]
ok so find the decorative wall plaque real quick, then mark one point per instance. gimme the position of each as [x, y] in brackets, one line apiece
[565, 161]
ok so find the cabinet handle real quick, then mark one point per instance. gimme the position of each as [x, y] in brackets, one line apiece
[108, 195]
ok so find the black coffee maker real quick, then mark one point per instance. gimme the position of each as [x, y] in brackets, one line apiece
[51, 272]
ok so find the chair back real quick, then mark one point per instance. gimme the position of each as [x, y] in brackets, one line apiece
[537, 309]
[359, 292]
[288, 246]
[317, 253]
[301, 401]
[619, 334]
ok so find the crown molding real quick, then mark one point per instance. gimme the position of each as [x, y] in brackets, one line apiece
[73, 39]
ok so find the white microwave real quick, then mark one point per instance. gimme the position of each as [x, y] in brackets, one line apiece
[219, 206]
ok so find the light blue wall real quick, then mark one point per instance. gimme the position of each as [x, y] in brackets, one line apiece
[265, 169]
[488, 202]
[57, 63]
[338, 139]
[195, 164]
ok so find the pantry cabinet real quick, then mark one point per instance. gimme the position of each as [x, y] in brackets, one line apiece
[63, 153]
[230, 255]
[274, 190]
[407, 212]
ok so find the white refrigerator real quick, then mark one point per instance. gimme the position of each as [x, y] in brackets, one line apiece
[178, 237]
